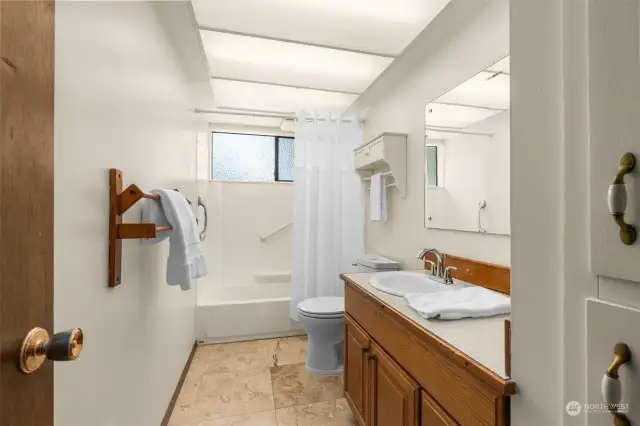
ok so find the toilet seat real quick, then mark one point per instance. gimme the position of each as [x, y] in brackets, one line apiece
[322, 307]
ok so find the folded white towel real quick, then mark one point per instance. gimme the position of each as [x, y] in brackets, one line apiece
[378, 198]
[186, 260]
[468, 302]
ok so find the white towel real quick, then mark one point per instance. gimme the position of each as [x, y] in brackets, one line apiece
[186, 260]
[378, 198]
[468, 302]
[152, 212]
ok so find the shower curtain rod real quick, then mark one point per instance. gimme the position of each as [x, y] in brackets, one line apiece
[289, 116]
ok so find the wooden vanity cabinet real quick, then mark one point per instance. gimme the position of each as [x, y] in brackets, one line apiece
[397, 374]
[433, 414]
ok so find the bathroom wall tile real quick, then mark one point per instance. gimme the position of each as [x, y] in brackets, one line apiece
[288, 350]
[293, 385]
[232, 356]
[228, 394]
[335, 413]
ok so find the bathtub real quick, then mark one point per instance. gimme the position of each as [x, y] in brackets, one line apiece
[231, 313]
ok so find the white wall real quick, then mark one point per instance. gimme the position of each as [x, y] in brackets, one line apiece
[475, 168]
[239, 213]
[121, 100]
[481, 43]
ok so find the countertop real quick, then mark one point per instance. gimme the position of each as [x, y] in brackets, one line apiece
[480, 338]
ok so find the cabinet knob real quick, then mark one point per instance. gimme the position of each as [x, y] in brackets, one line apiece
[371, 357]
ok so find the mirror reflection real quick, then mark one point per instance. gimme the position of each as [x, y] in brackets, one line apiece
[467, 155]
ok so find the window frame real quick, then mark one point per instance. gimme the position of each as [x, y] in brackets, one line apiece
[276, 163]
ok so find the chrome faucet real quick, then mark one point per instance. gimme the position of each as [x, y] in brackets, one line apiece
[438, 271]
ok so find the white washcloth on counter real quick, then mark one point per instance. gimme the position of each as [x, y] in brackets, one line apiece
[378, 198]
[468, 302]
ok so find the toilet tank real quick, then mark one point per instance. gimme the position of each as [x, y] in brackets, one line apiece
[376, 263]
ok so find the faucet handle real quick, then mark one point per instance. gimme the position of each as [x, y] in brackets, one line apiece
[432, 266]
[447, 274]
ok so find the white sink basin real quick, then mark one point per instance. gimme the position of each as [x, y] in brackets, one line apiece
[400, 283]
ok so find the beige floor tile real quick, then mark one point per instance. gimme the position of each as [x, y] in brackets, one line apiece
[189, 414]
[265, 418]
[286, 351]
[231, 357]
[293, 385]
[229, 394]
[335, 413]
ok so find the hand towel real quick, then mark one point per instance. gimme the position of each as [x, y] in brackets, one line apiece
[152, 212]
[468, 302]
[378, 198]
[186, 260]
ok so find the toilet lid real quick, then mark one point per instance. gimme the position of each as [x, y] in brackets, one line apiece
[322, 306]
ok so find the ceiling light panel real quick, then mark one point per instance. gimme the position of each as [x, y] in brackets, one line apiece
[255, 59]
[232, 94]
[381, 26]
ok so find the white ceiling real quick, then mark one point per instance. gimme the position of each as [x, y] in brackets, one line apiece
[292, 55]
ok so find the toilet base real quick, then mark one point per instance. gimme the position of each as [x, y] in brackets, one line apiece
[337, 372]
[325, 359]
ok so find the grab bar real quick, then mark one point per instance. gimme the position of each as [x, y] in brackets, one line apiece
[203, 233]
[264, 237]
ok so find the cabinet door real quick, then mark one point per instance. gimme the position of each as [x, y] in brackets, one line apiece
[394, 395]
[356, 374]
[433, 414]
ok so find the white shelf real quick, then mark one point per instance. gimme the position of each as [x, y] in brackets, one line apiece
[387, 151]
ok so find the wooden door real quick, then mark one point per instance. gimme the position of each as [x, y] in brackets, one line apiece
[356, 369]
[395, 397]
[26, 204]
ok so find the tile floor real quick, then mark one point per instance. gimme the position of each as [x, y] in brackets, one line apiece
[258, 383]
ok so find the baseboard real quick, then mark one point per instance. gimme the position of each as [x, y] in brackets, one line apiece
[176, 393]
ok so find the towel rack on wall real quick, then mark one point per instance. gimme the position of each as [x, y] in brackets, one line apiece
[119, 202]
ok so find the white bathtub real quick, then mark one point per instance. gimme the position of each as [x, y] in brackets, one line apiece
[230, 313]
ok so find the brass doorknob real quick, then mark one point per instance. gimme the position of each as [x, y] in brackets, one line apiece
[38, 346]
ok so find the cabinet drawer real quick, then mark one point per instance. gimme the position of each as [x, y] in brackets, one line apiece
[433, 414]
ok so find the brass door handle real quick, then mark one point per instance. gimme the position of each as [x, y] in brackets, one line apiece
[611, 386]
[617, 198]
[38, 346]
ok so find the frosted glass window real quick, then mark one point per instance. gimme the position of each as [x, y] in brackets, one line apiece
[432, 165]
[285, 159]
[242, 157]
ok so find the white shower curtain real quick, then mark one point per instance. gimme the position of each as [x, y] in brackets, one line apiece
[328, 215]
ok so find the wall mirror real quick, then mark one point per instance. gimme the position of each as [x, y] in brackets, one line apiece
[466, 153]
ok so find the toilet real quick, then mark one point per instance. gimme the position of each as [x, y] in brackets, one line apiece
[322, 318]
